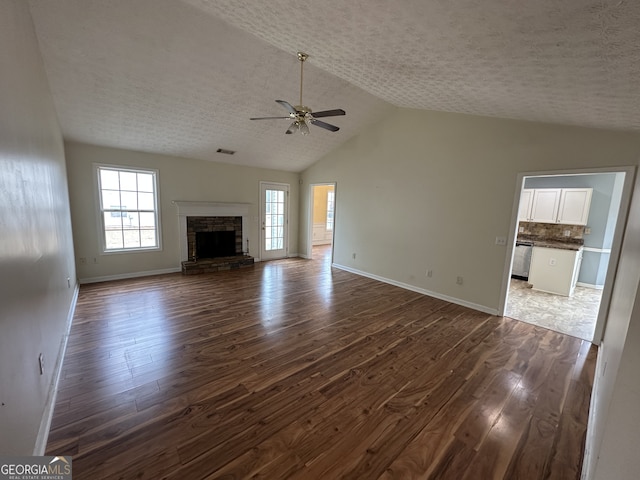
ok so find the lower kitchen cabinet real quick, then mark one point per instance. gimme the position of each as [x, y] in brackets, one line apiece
[555, 270]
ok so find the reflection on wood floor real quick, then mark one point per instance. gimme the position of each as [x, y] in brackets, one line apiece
[575, 315]
[292, 369]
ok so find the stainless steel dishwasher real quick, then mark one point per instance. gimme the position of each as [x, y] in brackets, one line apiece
[522, 260]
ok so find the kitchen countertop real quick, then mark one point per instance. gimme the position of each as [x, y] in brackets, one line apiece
[571, 244]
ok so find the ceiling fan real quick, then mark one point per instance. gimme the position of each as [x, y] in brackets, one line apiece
[301, 115]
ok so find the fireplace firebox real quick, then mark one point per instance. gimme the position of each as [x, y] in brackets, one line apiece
[215, 244]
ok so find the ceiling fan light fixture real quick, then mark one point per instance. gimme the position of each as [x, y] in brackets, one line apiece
[304, 128]
[295, 126]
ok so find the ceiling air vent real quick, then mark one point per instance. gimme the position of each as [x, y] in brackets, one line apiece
[225, 151]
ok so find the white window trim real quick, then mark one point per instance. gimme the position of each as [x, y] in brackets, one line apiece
[100, 219]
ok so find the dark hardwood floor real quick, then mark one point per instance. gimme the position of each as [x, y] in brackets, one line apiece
[292, 369]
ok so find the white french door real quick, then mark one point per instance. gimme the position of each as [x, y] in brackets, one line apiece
[274, 213]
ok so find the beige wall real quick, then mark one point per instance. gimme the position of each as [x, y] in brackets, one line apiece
[36, 250]
[179, 179]
[431, 191]
[426, 190]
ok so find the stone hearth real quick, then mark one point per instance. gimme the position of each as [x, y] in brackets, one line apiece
[209, 265]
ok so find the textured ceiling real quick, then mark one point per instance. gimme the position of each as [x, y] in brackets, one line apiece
[182, 77]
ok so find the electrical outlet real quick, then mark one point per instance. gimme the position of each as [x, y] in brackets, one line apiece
[429, 273]
[41, 363]
[502, 241]
[82, 260]
[459, 280]
[567, 233]
[552, 262]
[520, 229]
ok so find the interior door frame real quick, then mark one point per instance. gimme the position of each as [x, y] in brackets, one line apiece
[287, 188]
[309, 252]
[614, 258]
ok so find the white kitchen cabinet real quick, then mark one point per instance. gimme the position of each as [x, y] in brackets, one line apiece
[574, 206]
[526, 201]
[554, 270]
[544, 208]
[568, 206]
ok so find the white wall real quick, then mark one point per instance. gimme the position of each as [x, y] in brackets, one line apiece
[36, 250]
[179, 179]
[431, 191]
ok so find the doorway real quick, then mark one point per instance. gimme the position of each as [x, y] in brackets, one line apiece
[322, 203]
[583, 312]
[274, 214]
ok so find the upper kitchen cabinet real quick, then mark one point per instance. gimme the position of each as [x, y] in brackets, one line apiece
[574, 206]
[526, 200]
[555, 205]
[545, 203]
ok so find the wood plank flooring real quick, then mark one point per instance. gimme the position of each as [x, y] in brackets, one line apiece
[292, 369]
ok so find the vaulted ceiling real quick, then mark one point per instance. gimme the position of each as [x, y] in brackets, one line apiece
[183, 77]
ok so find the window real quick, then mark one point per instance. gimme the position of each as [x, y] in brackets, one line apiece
[128, 209]
[330, 203]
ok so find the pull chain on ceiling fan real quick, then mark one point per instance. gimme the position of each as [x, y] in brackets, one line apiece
[302, 115]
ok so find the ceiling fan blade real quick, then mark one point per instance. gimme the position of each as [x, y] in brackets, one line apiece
[266, 118]
[326, 126]
[288, 106]
[329, 113]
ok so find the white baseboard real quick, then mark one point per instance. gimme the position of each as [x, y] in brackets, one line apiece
[123, 276]
[47, 416]
[406, 286]
[590, 285]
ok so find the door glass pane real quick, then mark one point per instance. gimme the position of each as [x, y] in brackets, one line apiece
[274, 219]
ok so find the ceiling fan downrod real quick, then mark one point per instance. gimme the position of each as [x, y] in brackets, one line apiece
[302, 57]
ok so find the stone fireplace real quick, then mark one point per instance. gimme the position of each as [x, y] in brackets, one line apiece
[213, 236]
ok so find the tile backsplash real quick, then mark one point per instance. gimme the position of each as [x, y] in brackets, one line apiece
[550, 231]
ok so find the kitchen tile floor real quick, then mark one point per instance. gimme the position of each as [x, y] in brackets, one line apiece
[574, 315]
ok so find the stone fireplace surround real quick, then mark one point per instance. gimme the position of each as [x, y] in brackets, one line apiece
[235, 214]
[212, 224]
